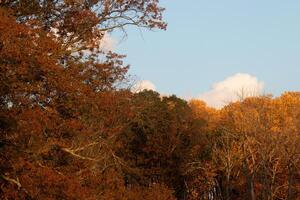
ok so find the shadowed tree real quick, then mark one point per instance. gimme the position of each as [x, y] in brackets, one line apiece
[62, 106]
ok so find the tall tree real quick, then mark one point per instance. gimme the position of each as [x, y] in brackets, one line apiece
[61, 107]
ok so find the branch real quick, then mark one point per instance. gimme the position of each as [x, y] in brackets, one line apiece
[17, 182]
[73, 153]
[86, 146]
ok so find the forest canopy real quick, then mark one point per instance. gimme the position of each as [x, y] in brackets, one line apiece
[70, 128]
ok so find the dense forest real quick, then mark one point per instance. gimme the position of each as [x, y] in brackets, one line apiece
[70, 127]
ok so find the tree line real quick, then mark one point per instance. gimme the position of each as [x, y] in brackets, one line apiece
[70, 128]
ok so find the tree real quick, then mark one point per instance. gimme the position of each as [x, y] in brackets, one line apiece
[156, 141]
[61, 106]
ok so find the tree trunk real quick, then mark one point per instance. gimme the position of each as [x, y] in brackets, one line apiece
[290, 183]
[250, 187]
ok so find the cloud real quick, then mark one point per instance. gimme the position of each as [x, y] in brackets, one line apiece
[143, 85]
[107, 43]
[231, 89]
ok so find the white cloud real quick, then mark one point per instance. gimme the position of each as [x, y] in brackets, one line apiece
[107, 43]
[232, 89]
[143, 85]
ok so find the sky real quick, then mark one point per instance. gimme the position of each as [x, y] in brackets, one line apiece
[212, 49]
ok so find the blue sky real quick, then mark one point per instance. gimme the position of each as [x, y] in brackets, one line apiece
[209, 41]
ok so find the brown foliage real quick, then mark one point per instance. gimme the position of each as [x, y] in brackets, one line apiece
[62, 108]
